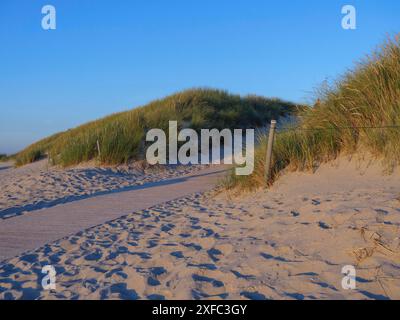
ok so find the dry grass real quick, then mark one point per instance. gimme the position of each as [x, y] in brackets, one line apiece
[367, 96]
[121, 136]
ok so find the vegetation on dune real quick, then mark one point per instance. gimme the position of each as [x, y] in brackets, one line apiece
[35, 151]
[3, 157]
[121, 135]
[360, 112]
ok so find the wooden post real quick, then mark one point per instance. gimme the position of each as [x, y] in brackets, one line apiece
[98, 147]
[269, 150]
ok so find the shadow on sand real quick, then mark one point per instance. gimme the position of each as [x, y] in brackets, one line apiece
[19, 210]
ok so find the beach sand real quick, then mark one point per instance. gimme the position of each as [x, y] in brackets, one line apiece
[289, 242]
[38, 185]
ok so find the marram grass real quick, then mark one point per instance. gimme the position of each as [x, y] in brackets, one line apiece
[121, 136]
[359, 113]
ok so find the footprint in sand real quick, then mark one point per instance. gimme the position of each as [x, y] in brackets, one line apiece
[253, 295]
[296, 296]
[153, 282]
[193, 246]
[31, 258]
[323, 225]
[155, 297]
[213, 254]
[208, 287]
[242, 276]
[215, 283]
[177, 254]
[294, 214]
[205, 266]
[120, 289]
[316, 202]
[155, 273]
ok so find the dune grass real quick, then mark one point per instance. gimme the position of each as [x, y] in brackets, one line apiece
[121, 136]
[359, 113]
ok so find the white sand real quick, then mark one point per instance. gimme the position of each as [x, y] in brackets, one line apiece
[38, 185]
[289, 242]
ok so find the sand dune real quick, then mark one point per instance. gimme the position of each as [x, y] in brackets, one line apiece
[289, 242]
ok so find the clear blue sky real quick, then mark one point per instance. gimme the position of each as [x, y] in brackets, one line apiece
[109, 56]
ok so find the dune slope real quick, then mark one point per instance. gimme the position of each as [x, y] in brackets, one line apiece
[121, 136]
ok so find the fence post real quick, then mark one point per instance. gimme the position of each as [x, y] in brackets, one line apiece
[269, 150]
[98, 147]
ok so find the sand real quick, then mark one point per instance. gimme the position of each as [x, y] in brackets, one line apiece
[289, 242]
[37, 228]
[38, 185]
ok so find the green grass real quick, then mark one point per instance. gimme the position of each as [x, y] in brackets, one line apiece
[121, 135]
[367, 96]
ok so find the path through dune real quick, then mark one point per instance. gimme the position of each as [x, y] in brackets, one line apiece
[34, 229]
[289, 242]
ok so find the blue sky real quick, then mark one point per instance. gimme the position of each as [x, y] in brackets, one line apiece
[109, 56]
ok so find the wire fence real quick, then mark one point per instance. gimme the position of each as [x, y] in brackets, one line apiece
[285, 129]
[274, 129]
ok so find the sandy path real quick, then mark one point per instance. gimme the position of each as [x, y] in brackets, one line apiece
[26, 232]
[38, 185]
[289, 242]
